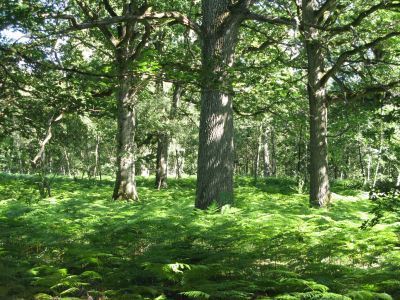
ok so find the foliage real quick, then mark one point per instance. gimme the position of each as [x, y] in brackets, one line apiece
[386, 201]
[270, 246]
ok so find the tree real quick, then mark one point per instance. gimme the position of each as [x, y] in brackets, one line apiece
[215, 160]
[127, 43]
[319, 31]
[221, 22]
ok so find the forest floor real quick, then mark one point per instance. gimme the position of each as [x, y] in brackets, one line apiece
[271, 245]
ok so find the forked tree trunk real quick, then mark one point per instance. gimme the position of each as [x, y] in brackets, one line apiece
[125, 184]
[216, 156]
[319, 181]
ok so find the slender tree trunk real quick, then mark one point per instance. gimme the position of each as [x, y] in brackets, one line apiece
[336, 171]
[369, 164]
[398, 177]
[216, 151]
[176, 100]
[163, 140]
[360, 157]
[299, 153]
[257, 158]
[125, 184]
[162, 160]
[273, 154]
[96, 170]
[67, 163]
[317, 96]
[381, 140]
[266, 153]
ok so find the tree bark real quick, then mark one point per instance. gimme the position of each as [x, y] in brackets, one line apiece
[162, 160]
[317, 96]
[267, 155]
[125, 184]
[163, 140]
[97, 164]
[178, 164]
[257, 157]
[361, 160]
[68, 167]
[215, 167]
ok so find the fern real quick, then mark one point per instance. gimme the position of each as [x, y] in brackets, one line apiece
[196, 295]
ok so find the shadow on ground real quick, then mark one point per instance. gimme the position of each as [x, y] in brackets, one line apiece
[270, 245]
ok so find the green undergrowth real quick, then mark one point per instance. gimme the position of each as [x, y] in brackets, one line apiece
[271, 245]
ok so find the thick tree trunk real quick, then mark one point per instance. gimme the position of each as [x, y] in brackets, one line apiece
[319, 181]
[216, 151]
[125, 184]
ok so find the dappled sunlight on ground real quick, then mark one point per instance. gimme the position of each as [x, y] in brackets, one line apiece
[272, 243]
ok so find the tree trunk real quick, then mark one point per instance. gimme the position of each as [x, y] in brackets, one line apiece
[178, 164]
[257, 158]
[125, 184]
[216, 152]
[176, 100]
[162, 160]
[97, 164]
[319, 181]
[398, 177]
[267, 155]
[273, 154]
[68, 166]
[163, 141]
[360, 158]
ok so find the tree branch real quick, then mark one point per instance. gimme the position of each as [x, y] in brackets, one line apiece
[109, 8]
[357, 21]
[343, 57]
[107, 33]
[270, 20]
[325, 7]
[147, 15]
[47, 138]
[142, 43]
[369, 91]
